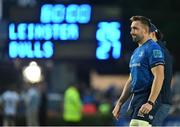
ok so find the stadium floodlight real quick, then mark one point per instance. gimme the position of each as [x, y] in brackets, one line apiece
[32, 73]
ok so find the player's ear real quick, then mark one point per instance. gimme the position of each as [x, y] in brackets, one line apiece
[146, 29]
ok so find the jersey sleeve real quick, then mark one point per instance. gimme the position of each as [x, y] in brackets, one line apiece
[155, 56]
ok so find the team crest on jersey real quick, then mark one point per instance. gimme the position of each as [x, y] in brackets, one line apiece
[157, 53]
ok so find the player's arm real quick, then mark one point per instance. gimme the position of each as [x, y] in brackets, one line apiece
[123, 98]
[158, 73]
[126, 91]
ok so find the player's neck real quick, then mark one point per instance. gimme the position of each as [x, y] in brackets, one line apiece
[144, 40]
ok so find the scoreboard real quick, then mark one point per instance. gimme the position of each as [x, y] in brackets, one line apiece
[65, 31]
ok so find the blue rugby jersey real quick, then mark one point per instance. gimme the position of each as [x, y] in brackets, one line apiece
[144, 57]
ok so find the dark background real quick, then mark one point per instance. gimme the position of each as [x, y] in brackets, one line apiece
[163, 13]
[74, 61]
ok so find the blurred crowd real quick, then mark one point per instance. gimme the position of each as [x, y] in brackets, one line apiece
[35, 105]
[29, 103]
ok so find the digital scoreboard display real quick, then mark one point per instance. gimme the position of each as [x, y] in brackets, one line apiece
[65, 31]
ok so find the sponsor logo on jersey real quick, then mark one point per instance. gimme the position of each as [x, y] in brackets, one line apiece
[157, 53]
[141, 53]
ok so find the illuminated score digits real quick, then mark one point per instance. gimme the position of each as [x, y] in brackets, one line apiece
[58, 13]
[108, 40]
[57, 22]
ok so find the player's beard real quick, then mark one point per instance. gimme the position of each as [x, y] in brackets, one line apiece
[137, 38]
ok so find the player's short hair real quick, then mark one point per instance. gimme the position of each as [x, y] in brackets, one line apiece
[143, 20]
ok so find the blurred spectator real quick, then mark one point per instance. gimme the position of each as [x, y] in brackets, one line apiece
[111, 93]
[1, 112]
[87, 96]
[43, 104]
[10, 100]
[89, 107]
[175, 110]
[72, 106]
[105, 107]
[32, 102]
[105, 103]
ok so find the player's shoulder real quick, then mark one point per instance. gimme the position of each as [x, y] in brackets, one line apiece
[153, 45]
